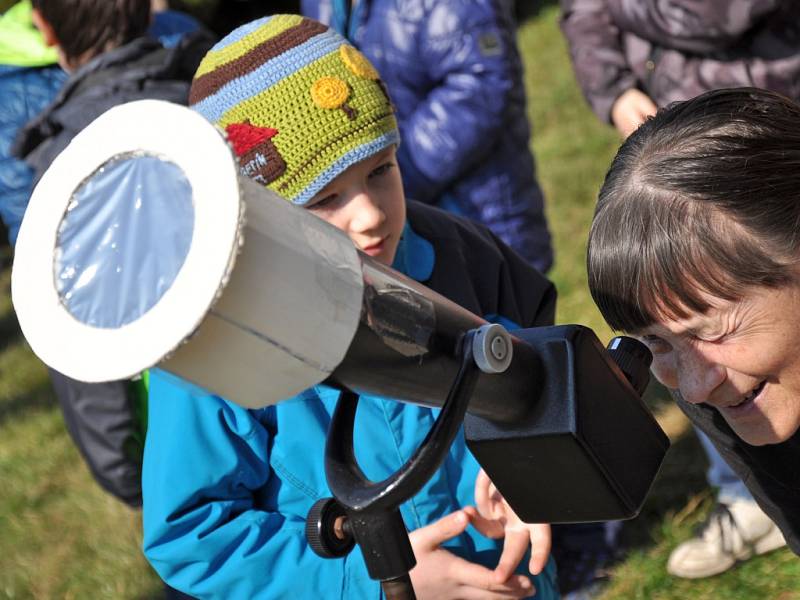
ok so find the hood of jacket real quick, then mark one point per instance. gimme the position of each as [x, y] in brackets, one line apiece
[141, 69]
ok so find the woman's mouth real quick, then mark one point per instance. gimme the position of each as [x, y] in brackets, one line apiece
[747, 401]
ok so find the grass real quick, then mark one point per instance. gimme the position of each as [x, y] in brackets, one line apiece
[62, 537]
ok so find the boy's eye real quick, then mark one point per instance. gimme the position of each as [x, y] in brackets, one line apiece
[381, 170]
[323, 202]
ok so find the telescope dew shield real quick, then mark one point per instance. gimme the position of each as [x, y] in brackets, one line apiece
[126, 258]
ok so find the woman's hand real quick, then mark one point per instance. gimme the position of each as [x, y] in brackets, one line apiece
[441, 575]
[494, 518]
[630, 110]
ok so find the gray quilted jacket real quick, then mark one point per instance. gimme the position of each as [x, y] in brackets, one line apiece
[676, 49]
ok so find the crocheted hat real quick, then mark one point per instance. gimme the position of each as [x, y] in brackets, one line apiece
[298, 102]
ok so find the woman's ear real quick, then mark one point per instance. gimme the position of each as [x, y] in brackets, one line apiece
[44, 28]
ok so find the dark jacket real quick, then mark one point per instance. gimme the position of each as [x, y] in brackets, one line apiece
[677, 49]
[455, 76]
[771, 472]
[100, 417]
[139, 70]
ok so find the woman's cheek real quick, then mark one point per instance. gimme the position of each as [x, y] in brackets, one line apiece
[663, 368]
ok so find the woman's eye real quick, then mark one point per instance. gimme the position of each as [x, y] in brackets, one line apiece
[711, 339]
[656, 344]
[381, 170]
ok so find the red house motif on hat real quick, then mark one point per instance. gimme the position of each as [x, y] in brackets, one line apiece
[259, 159]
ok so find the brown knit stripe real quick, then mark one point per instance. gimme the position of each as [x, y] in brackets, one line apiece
[207, 84]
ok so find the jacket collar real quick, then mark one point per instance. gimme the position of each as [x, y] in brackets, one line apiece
[415, 256]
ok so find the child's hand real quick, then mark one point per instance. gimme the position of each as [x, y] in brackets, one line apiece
[495, 519]
[441, 575]
[630, 110]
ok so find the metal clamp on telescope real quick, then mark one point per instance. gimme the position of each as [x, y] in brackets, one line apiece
[547, 405]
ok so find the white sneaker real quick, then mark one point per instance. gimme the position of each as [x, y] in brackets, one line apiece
[731, 533]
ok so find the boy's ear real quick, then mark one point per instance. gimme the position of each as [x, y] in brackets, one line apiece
[44, 28]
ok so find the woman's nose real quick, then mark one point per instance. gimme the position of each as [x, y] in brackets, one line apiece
[698, 377]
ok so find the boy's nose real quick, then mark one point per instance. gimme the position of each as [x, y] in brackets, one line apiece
[698, 377]
[367, 213]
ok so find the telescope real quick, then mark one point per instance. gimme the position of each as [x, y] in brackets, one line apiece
[143, 245]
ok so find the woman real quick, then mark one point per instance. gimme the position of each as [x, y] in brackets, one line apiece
[695, 249]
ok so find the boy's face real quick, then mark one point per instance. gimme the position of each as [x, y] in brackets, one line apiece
[366, 202]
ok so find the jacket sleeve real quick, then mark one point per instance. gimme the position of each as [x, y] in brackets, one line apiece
[25, 93]
[101, 420]
[689, 25]
[598, 58]
[205, 531]
[472, 55]
[15, 190]
[523, 291]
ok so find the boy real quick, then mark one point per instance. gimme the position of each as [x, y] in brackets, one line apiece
[104, 48]
[226, 489]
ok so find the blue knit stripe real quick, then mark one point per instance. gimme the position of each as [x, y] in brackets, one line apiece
[355, 155]
[237, 34]
[243, 88]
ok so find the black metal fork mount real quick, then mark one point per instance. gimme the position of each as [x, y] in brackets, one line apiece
[368, 512]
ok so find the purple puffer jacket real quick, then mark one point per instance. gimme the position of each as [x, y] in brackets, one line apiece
[455, 76]
[677, 49]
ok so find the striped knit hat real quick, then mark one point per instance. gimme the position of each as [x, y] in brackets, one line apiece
[298, 102]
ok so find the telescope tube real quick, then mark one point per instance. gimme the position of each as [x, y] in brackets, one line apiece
[144, 246]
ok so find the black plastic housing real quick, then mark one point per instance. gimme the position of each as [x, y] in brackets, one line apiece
[588, 448]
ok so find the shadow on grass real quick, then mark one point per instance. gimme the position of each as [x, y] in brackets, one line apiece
[682, 476]
[38, 398]
[9, 330]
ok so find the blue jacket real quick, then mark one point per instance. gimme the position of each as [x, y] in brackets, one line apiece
[25, 91]
[29, 80]
[227, 490]
[455, 75]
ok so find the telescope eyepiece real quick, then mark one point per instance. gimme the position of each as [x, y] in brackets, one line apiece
[634, 359]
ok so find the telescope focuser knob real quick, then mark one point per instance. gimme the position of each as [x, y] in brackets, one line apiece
[492, 348]
[328, 530]
[633, 358]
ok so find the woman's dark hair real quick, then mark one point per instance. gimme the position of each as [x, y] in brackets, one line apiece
[702, 200]
[90, 27]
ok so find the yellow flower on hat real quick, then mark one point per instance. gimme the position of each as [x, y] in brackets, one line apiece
[329, 92]
[357, 62]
